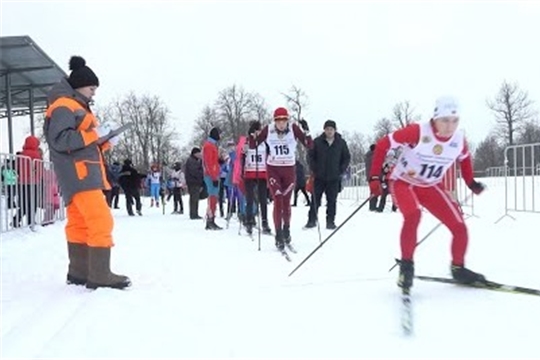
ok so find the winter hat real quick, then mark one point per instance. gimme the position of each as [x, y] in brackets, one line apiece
[255, 125]
[281, 113]
[330, 123]
[446, 106]
[81, 75]
[195, 150]
[214, 134]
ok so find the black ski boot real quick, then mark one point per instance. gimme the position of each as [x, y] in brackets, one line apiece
[265, 228]
[287, 234]
[249, 224]
[311, 224]
[280, 244]
[406, 274]
[330, 224]
[211, 225]
[465, 276]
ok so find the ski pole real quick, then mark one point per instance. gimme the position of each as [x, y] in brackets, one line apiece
[331, 234]
[315, 204]
[257, 203]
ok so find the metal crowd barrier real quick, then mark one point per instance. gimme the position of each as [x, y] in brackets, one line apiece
[30, 194]
[355, 186]
[521, 179]
[453, 182]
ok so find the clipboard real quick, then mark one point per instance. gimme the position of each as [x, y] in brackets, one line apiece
[114, 133]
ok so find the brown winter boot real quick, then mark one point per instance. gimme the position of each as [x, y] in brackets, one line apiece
[78, 264]
[99, 270]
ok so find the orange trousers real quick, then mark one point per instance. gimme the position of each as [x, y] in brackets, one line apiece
[89, 220]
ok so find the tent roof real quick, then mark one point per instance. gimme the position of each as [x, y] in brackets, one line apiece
[28, 68]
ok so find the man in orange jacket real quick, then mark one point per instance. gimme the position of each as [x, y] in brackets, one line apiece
[76, 144]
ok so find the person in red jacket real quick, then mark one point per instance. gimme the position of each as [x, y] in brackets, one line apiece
[211, 176]
[30, 173]
[281, 137]
[428, 151]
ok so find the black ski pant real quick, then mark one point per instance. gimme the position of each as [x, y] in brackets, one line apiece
[194, 192]
[303, 190]
[177, 199]
[262, 198]
[133, 196]
[331, 189]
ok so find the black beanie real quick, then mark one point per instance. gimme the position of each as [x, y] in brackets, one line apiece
[195, 150]
[81, 75]
[214, 134]
[330, 123]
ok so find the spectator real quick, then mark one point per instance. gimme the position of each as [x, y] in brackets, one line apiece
[9, 181]
[328, 160]
[300, 184]
[30, 175]
[194, 181]
[211, 176]
[130, 181]
[367, 161]
[178, 184]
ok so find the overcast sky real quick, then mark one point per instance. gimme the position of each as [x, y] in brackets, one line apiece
[354, 59]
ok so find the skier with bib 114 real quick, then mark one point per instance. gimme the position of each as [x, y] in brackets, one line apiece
[428, 151]
[281, 137]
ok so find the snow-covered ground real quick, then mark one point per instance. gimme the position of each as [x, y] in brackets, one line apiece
[200, 294]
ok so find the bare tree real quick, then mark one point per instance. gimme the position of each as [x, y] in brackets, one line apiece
[234, 108]
[489, 153]
[530, 133]
[297, 102]
[203, 124]
[403, 114]
[151, 137]
[357, 146]
[260, 109]
[512, 108]
[383, 127]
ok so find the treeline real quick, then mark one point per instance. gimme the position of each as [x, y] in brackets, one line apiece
[154, 139]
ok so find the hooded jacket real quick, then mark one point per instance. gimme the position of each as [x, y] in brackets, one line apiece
[28, 170]
[70, 130]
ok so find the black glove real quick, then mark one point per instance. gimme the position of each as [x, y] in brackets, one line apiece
[304, 125]
[477, 187]
[215, 183]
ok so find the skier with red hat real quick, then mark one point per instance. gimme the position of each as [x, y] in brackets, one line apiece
[281, 136]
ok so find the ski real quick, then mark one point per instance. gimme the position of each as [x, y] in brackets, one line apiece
[291, 248]
[285, 254]
[406, 312]
[488, 285]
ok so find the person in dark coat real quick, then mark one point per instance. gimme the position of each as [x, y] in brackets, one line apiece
[367, 161]
[328, 160]
[130, 181]
[115, 169]
[300, 184]
[194, 181]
